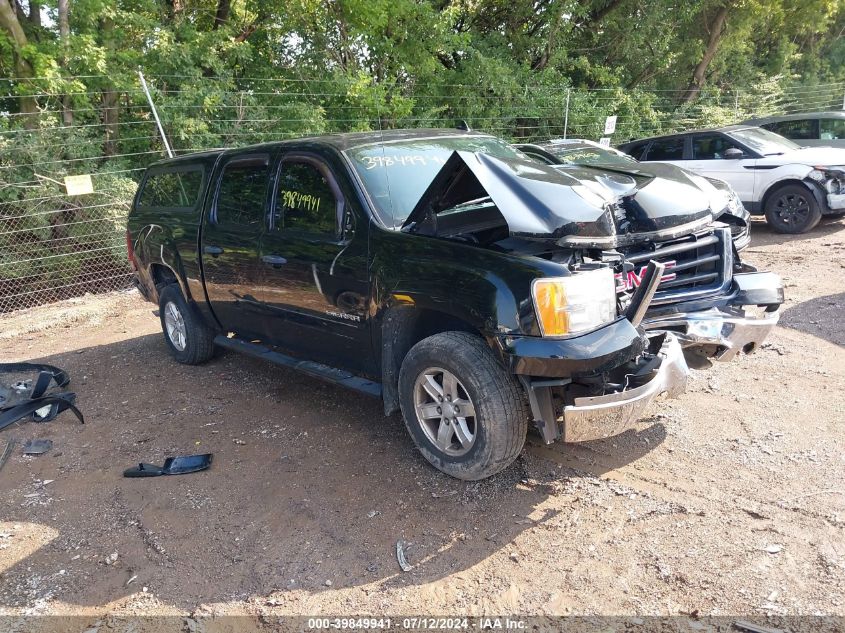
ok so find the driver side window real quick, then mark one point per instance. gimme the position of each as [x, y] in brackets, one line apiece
[711, 147]
[307, 200]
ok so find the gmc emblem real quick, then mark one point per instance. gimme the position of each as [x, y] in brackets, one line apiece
[632, 279]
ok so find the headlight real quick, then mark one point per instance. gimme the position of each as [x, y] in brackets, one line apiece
[568, 305]
[819, 174]
[830, 178]
[735, 205]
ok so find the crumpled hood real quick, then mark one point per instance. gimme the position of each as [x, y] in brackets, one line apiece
[716, 191]
[574, 205]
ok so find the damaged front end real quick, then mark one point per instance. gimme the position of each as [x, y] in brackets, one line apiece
[589, 407]
[661, 370]
[679, 281]
[605, 399]
[736, 322]
[715, 305]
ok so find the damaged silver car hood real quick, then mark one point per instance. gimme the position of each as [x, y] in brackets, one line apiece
[575, 206]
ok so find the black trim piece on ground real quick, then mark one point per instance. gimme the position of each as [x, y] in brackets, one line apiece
[15, 406]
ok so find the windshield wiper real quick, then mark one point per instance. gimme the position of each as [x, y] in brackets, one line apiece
[469, 203]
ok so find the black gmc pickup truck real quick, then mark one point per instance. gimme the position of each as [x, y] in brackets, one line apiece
[452, 276]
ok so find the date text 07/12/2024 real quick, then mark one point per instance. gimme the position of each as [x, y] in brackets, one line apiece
[418, 623]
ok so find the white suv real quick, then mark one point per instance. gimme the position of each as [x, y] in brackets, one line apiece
[794, 186]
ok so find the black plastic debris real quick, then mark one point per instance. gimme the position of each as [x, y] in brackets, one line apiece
[37, 447]
[40, 399]
[172, 466]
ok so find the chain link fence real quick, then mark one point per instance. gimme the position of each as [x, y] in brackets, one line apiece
[58, 247]
[55, 246]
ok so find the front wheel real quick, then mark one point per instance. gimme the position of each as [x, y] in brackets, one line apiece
[191, 341]
[792, 209]
[465, 413]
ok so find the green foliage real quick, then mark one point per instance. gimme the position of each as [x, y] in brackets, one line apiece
[274, 69]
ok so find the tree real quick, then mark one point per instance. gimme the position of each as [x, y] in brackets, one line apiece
[10, 22]
[715, 29]
[64, 41]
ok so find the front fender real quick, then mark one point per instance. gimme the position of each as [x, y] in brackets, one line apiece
[489, 290]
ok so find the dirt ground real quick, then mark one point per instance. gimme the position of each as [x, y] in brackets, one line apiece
[729, 500]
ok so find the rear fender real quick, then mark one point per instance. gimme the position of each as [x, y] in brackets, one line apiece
[159, 254]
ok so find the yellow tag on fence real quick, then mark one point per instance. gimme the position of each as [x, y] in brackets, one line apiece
[79, 185]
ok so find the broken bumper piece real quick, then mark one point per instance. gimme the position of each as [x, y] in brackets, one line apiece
[836, 201]
[721, 335]
[740, 325]
[596, 417]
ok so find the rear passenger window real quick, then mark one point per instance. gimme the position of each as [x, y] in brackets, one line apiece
[242, 193]
[666, 149]
[306, 200]
[798, 130]
[175, 189]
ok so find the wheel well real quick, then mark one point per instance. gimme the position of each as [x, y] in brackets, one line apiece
[162, 276]
[783, 183]
[430, 322]
[402, 328]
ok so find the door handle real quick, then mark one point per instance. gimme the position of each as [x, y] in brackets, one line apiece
[274, 260]
[214, 251]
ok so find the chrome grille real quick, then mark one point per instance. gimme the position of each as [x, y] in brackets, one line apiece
[696, 265]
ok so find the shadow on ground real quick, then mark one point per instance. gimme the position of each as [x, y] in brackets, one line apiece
[822, 316]
[311, 485]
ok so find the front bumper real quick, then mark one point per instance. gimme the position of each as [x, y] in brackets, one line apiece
[595, 417]
[836, 201]
[730, 325]
[742, 239]
[720, 335]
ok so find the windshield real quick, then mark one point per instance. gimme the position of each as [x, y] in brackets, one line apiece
[762, 141]
[588, 155]
[397, 173]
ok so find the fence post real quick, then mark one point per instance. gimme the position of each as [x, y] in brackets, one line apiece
[566, 113]
[843, 99]
[155, 114]
[736, 105]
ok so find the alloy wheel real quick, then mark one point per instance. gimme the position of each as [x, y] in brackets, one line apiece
[175, 326]
[444, 411]
[792, 209]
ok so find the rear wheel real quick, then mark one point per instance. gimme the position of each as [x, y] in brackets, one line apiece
[190, 340]
[792, 209]
[465, 413]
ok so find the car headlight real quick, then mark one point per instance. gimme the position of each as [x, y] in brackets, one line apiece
[831, 178]
[819, 174]
[735, 205]
[569, 305]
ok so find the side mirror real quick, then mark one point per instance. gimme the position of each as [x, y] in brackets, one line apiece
[733, 153]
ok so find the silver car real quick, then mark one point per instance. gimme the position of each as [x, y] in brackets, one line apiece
[819, 129]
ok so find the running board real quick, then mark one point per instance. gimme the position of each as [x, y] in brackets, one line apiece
[318, 370]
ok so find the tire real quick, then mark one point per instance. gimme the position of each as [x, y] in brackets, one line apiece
[500, 421]
[792, 209]
[190, 341]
